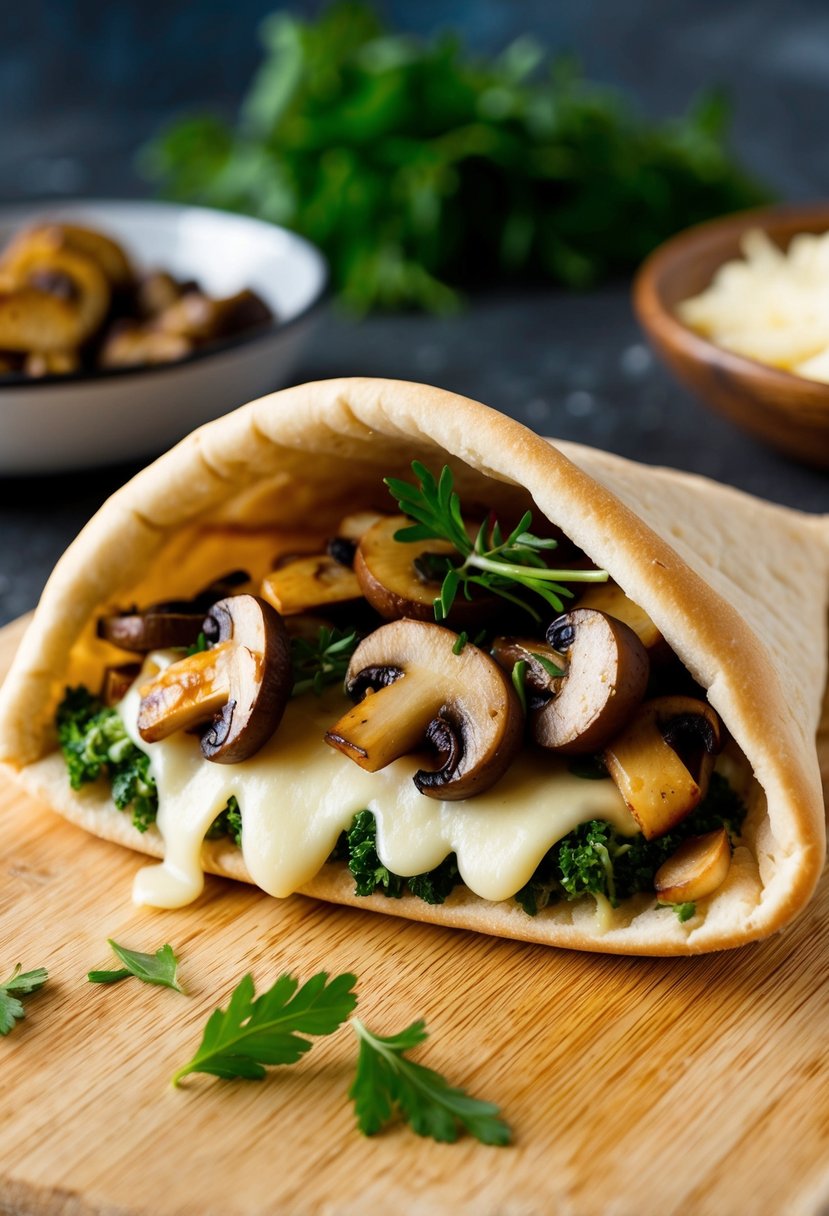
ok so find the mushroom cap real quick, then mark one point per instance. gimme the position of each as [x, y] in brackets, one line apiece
[420, 687]
[260, 677]
[390, 581]
[607, 674]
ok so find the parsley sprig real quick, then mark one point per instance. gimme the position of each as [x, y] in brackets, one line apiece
[20, 983]
[386, 1082]
[503, 565]
[322, 661]
[256, 1032]
[159, 968]
[251, 1033]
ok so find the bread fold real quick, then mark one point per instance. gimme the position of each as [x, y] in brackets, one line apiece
[739, 588]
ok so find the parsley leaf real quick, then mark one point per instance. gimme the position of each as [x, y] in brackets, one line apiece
[504, 566]
[23, 982]
[254, 1033]
[387, 1083]
[159, 968]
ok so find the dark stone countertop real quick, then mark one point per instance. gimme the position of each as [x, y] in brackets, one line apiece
[570, 366]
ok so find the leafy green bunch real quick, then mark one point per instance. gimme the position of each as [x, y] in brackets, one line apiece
[417, 167]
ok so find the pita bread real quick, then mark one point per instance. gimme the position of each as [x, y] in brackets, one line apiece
[739, 589]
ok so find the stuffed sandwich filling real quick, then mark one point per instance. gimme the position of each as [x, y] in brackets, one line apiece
[435, 700]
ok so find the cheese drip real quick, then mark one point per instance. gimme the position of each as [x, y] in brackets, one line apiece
[297, 795]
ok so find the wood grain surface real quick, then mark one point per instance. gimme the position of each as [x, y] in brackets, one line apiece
[633, 1086]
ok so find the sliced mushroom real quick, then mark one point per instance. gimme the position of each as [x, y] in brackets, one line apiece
[108, 256]
[662, 761]
[545, 667]
[403, 578]
[45, 239]
[698, 867]
[156, 291]
[242, 311]
[131, 344]
[415, 690]
[607, 674]
[35, 319]
[610, 598]
[240, 685]
[169, 624]
[309, 583]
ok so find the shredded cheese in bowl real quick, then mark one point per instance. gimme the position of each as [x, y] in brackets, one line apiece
[771, 305]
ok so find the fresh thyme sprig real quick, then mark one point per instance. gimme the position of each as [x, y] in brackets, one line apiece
[323, 661]
[492, 561]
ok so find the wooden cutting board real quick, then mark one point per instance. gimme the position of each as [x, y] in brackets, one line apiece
[633, 1086]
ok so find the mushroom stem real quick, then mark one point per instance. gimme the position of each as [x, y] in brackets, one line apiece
[389, 723]
[192, 690]
[662, 762]
[419, 689]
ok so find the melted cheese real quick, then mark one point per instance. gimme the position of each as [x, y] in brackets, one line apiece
[297, 795]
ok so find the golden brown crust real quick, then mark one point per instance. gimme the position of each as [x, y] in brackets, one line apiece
[738, 587]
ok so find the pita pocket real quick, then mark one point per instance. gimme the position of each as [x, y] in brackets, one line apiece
[733, 588]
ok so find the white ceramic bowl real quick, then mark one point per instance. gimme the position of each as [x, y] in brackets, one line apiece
[81, 421]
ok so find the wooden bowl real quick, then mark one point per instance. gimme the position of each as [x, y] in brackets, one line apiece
[785, 410]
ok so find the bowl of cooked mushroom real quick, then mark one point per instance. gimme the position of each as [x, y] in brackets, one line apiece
[124, 325]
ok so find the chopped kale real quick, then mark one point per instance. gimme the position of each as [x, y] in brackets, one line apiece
[228, 823]
[358, 846]
[369, 872]
[595, 859]
[434, 886]
[94, 742]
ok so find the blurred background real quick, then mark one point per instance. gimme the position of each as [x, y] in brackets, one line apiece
[79, 92]
[723, 101]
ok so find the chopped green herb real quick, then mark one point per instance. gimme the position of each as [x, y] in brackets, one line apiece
[252, 1034]
[684, 911]
[519, 673]
[198, 646]
[369, 873]
[548, 665]
[463, 638]
[23, 983]
[388, 1084]
[228, 823]
[358, 848]
[160, 968]
[434, 886]
[322, 662]
[493, 562]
